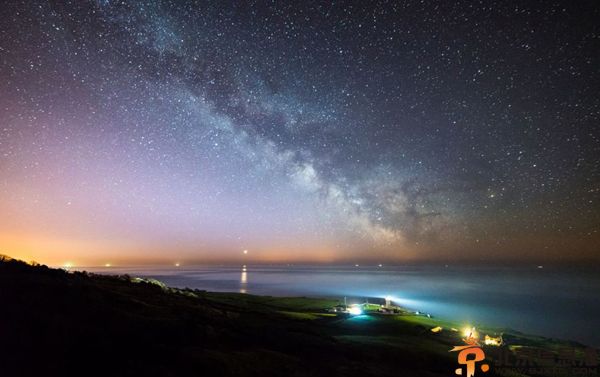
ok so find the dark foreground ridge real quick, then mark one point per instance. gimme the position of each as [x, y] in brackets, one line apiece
[59, 323]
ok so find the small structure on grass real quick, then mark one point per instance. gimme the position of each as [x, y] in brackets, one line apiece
[493, 341]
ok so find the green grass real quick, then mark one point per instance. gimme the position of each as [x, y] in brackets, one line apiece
[371, 307]
[313, 309]
[94, 318]
[270, 302]
[307, 316]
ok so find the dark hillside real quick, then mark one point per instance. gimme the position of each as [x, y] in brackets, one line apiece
[57, 323]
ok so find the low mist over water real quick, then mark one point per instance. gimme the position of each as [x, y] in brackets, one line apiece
[560, 303]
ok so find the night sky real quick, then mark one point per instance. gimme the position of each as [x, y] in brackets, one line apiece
[300, 131]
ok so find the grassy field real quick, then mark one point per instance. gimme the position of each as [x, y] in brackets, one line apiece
[56, 323]
[406, 332]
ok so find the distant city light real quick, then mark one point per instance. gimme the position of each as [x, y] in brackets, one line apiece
[245, 251]
[177, 264]
[107, 265]
[68, 265]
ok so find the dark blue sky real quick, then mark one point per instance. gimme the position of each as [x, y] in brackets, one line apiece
[414, 130]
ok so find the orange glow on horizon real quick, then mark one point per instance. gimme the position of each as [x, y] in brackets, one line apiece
[79, 252]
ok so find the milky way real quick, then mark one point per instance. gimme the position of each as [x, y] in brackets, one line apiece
[300, 131]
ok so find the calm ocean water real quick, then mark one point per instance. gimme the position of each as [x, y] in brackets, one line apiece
[561, 303]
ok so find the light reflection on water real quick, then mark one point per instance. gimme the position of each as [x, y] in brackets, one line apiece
[552, 302]
[244, 280]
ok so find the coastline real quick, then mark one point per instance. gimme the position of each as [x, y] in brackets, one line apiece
[138, 326]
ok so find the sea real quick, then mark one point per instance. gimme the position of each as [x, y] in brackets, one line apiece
[554, 302]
